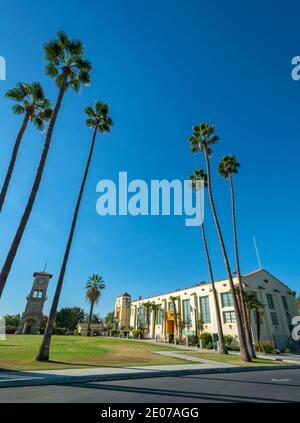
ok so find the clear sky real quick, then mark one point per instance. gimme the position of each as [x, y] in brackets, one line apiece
[162, 66]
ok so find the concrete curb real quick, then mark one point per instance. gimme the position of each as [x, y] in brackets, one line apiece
[59, 380]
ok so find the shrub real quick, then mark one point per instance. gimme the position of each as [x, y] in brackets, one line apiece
[114, 332]
[267, 348]
[11, 329]
[206, 339]
[231, 343]
[59, 331]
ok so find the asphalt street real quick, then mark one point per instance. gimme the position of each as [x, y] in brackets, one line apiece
[258, 386]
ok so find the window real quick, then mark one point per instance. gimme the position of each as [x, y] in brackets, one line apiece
[274, 318]
[227, 299]
[171, 306]
[139, 315]
[270, 301]
[159, 313]
[148, 316]
[284, 303]
[186, 310]
[204, 309]
[229, 317]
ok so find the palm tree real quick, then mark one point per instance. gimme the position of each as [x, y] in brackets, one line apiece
[99, 121]
[67, 66]
[202, 140]
[95, 284]
[252, 303]
[32, 103]
[155, 308]
[227, 167]
[148, 307]
[173, 299]
[200, 175]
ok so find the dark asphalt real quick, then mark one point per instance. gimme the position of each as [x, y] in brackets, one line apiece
[259, 386]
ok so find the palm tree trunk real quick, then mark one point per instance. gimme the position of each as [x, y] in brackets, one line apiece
[243, 346]
[223, 348]
[13, 159]
[35, 187]
[90, 319]
[43, 354]
[241, 293]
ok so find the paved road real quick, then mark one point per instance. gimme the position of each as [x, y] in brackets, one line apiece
[261, 386]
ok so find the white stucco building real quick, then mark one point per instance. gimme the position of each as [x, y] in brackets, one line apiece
[197, 303]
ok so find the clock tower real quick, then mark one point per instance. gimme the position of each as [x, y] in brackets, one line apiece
[31, 318]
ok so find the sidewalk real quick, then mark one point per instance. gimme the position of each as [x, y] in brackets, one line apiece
[66, 376]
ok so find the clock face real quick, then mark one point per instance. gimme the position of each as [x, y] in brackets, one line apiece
[41, 281]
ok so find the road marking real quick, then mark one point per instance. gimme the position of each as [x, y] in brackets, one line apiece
[281, 380]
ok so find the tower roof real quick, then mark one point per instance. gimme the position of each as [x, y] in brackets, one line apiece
[43, 274]
[124, 294]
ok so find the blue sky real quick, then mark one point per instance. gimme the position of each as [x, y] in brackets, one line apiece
[162, 66]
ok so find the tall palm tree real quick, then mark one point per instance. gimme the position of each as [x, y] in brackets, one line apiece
[252, 303]
[200, 175]
[94, 286]
[202, 140]
[148, 307]
[67, 66]
[227, 167]
[99, 121]
[155, 308]
[31, 102]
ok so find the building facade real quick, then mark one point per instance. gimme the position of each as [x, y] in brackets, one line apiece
[191, 310]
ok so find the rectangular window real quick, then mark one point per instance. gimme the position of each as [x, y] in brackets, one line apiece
[274, 318]
[171, 306]
[284, 303]
[270, 301]
[227, 299]
[229, 317]
[159, 316]
[139, 315]
[186, 311]
[204, 309]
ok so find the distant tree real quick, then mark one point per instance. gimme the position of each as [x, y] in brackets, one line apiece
[94, 287]
[69, 317]
[298, 303]
[12, 319]
[109, 318]
[148, 307]
[96, 318]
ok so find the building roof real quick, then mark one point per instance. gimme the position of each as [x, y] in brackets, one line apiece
[209, 283]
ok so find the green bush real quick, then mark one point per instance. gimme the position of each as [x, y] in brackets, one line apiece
[231, 343]
[206, 339]
[114, 332]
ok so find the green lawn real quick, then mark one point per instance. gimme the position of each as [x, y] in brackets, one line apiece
[18, 352]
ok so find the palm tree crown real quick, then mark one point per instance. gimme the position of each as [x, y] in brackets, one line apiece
[199, 175]
[94, 286]
[31, 99]
[98, 118]
[203, 138]
[228, 165]
[65, 58]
